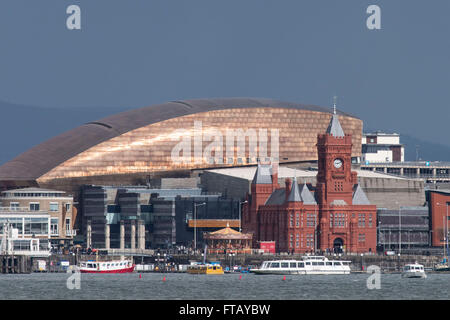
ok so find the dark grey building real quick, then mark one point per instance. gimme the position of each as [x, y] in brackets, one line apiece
[408, 227]
[163, 212]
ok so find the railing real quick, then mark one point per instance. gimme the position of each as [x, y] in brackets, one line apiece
[20, 209]
[71, 233]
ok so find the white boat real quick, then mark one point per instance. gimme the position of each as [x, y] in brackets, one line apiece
[308, 265]
[413, 270]
[115, 266]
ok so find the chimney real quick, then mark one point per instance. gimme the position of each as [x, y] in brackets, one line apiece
[288, 184]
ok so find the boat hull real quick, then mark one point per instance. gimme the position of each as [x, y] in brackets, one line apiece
[415, 275]
[302, 272]
[125, 270]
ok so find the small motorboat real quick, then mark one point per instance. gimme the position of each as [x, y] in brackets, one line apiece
[413, 270]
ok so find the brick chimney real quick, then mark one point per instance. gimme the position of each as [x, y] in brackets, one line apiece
[288, 184]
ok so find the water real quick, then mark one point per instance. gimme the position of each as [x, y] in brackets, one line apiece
[221, 287]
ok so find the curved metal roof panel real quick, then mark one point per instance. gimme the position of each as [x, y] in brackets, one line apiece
[40, 159]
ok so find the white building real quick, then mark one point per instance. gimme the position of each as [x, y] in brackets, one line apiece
[24, 232]
[382, 147]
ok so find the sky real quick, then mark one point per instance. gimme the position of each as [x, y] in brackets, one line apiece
[135, 53]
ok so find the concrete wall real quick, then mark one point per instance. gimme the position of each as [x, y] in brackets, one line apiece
[392, 193]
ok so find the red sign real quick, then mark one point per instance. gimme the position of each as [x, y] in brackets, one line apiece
[267, 246]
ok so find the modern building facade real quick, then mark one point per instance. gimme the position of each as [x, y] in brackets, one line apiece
[404, 228]
[337, 217]
[382, 147]
[28, 203]
[439, 203]
[116, 217]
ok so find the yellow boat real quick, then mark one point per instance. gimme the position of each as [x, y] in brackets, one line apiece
[205, 269]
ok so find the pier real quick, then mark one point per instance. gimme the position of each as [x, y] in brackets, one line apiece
[15, 264]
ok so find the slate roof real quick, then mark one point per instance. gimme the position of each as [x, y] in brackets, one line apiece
[334, 128]
[307, 196]
[263, 174]
[359, 197]
[294, 196]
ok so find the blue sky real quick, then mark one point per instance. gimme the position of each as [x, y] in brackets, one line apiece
[137, 53]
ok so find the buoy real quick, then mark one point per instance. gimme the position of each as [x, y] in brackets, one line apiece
[240, 277]
[284, 278]
[164, 278]
[140, 276]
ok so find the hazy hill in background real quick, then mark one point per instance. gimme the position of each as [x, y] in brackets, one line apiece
[22, 127]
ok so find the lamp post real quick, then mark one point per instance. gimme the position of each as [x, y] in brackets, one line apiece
[399, 230]
[195, 224]
[445, 229]
[240, 224]
[315, 230]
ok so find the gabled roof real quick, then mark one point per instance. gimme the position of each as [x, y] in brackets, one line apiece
[335, 128]
[307, 196]
[263, 175]
[359, 197]
[277, 197]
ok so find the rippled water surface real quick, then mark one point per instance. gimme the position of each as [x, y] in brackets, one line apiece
[154, 286]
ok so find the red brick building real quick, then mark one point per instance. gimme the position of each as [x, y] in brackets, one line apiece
[336, 215]
[439, 204]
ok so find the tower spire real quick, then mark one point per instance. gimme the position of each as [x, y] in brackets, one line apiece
[334, 104]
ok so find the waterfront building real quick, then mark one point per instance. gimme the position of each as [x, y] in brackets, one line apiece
[439, 203]
[382, 147]
[335, 215]
[116, 217]
[58, 205]
[405, 229]
[24, 231]
[383, 190]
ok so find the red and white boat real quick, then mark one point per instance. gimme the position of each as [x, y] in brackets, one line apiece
[115, 266]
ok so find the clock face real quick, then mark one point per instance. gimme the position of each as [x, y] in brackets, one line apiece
[337, 163]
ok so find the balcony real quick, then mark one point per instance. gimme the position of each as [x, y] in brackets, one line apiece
[71, 233]
[20, 209]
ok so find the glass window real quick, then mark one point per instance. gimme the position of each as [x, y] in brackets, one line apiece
[308, 263]
[274, 265]
[34, 206]
[314, 263]
[301, 264]
[329, 263]
[285, 265]
[293, 265]
[320, 263]
[54, 206]
[337, 263]
[14, 205]
[54, 226]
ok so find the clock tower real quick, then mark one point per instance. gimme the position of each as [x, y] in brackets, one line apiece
[335, 179]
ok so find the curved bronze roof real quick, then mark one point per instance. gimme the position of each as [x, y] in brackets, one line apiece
[42, 158]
